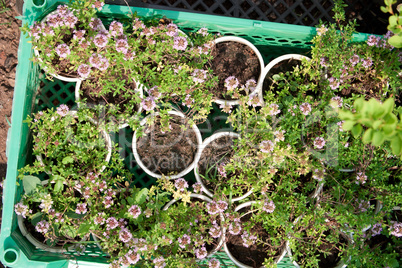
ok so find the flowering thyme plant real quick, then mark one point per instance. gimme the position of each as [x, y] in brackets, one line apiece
[192, 225]
[61, 207]
[174, 67]
[66, 38]
[68, 143]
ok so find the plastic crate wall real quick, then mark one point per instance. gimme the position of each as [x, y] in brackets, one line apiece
[33, 93]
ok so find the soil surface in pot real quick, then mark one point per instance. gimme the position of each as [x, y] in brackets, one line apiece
[254, 255]
[216, 152]
[380, 242]
[368, 88]
[328, 261]
[92, 93]
[233, 59]
[167, 153]
[306, 184]
[333, 258]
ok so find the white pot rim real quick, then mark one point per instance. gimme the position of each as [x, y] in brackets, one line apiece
[260, 59]
[270, 65]
[103, 133]
[240, 264]
[140, 88]
[183, 172]
[199, 154]
[57, 76]
[206, 199]
[37, 243]
[340, 264]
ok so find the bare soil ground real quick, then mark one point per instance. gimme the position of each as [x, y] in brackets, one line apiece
[9, 38]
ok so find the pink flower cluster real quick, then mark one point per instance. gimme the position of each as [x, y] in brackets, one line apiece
[134, 211]
[268, 206]
[266, 146]
[235, 227]
[42, 227]
[181, 184]
[62, 110]
[21, 209]
[81, 208]
[216, 207]
[248, 239]
[184, 241]
[396, 229]
[201, 253]
[231, 83]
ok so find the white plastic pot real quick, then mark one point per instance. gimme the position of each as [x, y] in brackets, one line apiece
[238, 263]
[203, 146]
[182, 173]
[256, 51]
[104, 134]
[140, 88]
[340, 264]
[271, 65]
[206, 199]
[57, 76]
[40, 245]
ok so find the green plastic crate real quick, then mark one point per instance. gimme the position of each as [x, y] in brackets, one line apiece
[33, 93]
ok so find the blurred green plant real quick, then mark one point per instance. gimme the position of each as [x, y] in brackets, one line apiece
[378, 122]
[395, 22]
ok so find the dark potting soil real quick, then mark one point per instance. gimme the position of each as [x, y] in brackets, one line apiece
[31, 229]
[332, 259]
[216, 152]
[233, 59]
[369, 89]
[92, 94]
[254, 255]
[167, 153]
[380, 242]
[306, 184]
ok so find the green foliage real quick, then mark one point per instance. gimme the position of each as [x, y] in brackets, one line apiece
[380, 122]
[395, 22]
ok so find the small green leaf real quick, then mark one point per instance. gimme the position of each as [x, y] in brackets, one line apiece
[358, 104]
[367, 136]
[276, 77]
[396, 145]
[130, 201]
[395, 41]
[346, 115]
[37, 217]
[377, 124]
[393, 20]
[384, 9]
[68, 231]
[30, 183]
[84, 228]
[348, 125]
[357, 130]
[58, 186]
[388, 105]
[391, 119]
[67, 160]
[378, 138]
[141, 197]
